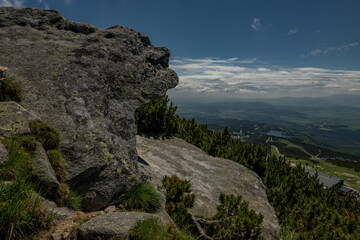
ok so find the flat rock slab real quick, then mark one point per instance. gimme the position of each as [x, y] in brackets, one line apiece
[14, 119]
[109, 224]
[42, 168]
[4, 156]
[209, 176]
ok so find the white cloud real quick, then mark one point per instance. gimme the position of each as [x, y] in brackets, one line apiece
[292, 31]
[13, 3]
[256, 24]
[226, 76]
[341, 48]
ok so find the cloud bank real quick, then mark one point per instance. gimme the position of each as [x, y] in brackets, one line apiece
[245, 77]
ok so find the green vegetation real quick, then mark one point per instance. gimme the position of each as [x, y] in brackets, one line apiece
[143, 197]
[178, 200]
[21, 213]
[46, 134]
[75, 200]
[157, 117]
[10, 90]
[233, 220]
[19, 160]
[305, 209]
[151, 229]
[58, 163]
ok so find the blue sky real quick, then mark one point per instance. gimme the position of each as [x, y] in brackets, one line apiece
[248, 48]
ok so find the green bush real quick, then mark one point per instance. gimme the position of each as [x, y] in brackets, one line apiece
[143, 197]
[178, 200]
[21, 214]
[46, 134]
[235, 220]
[10, 90]
[58, 163]
[157, 117]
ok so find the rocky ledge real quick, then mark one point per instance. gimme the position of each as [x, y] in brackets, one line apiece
[209, 176]
[87, 83]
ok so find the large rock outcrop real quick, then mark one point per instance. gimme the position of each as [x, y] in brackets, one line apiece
[87, 83]
[209, 176]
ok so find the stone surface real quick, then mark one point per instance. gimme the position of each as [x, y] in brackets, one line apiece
[14, 119]
[209, 176]
[4, 156]
[110, 224]
[42, 168]
[87, 83]
[60, 213]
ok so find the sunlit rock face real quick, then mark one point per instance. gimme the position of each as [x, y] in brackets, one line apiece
[87, 83]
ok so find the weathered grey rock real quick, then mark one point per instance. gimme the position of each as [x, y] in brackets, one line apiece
[87, 83]
[209, 176]
[110, 224]
[42, 168]
[60, 213]
[14, 119]
[4, 156]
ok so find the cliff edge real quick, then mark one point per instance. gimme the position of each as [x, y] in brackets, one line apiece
[87, 83]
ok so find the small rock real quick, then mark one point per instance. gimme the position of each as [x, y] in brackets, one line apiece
[4, 156]
[65, 235]
[42, 168]
[110, 224]
[110, 209]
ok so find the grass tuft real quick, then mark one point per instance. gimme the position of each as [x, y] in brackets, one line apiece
[58, 163]
[75, 201]
[46, 134]
[27, 141]
[143, 197]
[10, 90]
[21, 214]
[18, 163]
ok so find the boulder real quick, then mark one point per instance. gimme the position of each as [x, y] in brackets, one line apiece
[60, 213]
[209, 176]
[14, 119]
[42, 168]
[87, 83]
[4, 156]
[112, 224]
